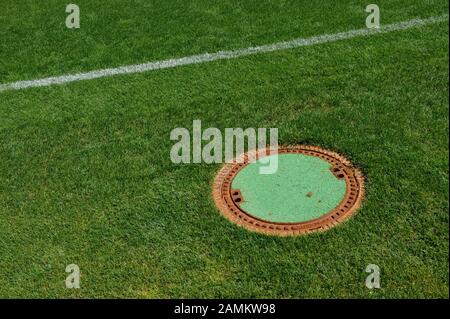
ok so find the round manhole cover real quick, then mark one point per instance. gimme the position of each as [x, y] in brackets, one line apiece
[312, 190]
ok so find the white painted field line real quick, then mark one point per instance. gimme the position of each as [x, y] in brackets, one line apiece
[207, 57]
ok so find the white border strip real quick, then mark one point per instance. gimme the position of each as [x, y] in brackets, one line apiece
[207, 57]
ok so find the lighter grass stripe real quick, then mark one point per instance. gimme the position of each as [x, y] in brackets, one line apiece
[221, 55]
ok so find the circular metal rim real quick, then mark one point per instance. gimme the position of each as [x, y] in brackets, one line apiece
[348, 206]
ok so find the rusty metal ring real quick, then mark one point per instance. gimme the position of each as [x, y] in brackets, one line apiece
[226, 202]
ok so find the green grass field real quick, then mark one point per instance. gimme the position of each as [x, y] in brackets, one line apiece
[86, 177]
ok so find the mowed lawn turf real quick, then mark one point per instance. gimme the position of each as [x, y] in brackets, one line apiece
[86, 176]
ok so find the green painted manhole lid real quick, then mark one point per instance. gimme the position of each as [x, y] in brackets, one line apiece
[312, 190]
